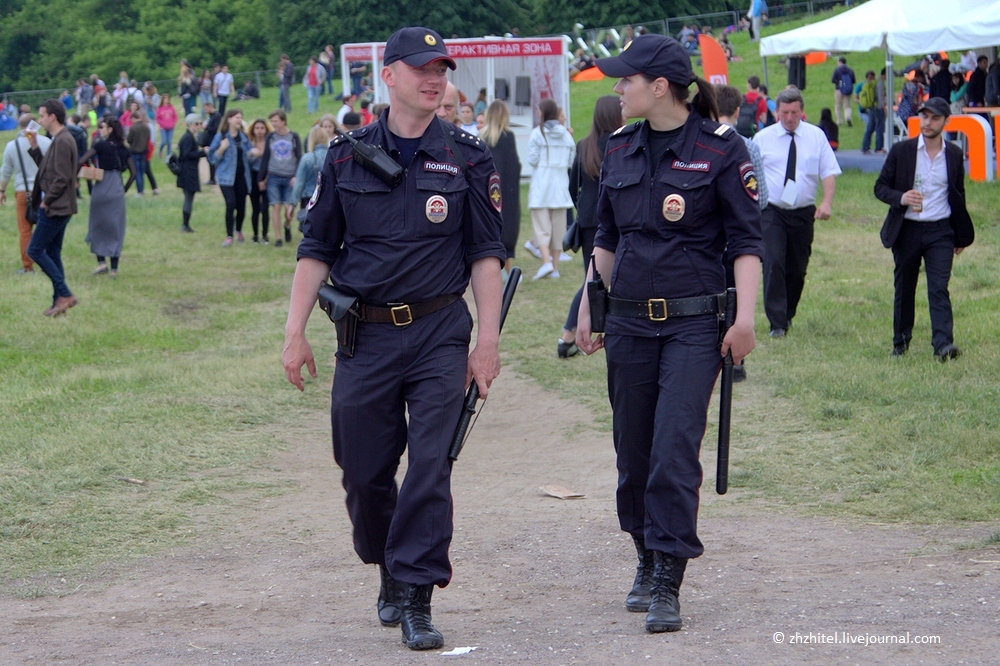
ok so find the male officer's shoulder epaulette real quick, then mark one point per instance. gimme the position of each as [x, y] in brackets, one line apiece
[466, 139]
[356, 133]
[625, 130]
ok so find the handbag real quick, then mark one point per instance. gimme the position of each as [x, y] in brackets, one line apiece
[174, 164]
[30, 213]
[91, 173]
[572, 240]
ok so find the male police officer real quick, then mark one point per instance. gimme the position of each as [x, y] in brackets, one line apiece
[407, 251]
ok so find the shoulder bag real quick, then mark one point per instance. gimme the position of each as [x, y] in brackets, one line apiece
[30, 213]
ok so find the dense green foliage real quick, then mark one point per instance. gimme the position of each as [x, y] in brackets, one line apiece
[50, 43]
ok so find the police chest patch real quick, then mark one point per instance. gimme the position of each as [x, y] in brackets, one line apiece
[749, 179]
[441, 167]
[691, 166]
[673, 207]
[319, 187]
[494, 191]
[437, 209]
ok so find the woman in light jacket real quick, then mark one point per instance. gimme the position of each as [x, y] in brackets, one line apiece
[550, 153]
[230, 152]
[310, 165]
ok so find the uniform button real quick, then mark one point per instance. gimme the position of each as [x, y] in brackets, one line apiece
[684, 185]
[619, 183]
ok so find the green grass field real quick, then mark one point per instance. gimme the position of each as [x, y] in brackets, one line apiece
[171, 374]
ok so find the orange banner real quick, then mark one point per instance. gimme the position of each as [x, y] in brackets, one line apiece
[713, 60]
[816, 58]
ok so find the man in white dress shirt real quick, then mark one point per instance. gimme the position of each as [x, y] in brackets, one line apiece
[797, 157]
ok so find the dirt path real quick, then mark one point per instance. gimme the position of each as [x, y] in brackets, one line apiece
[537, 580]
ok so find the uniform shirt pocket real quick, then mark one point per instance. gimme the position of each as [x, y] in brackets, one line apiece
[441, 202]
[368, 206]
[684, 199]
[627, 199]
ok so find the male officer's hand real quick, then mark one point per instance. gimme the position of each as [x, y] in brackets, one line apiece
[297, 353]
[739, 340]
[483, 367]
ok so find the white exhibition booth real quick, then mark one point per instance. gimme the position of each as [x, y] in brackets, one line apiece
[521, 72]
[900, 27]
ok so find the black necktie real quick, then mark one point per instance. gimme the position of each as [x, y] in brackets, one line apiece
[790, 167]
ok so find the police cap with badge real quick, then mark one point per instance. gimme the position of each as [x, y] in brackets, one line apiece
[653, 55]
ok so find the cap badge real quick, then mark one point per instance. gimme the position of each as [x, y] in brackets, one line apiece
[431, 41]
[437, 209]
[673, 207]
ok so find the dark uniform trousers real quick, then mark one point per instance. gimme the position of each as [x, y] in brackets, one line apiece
[934, 242]
[660, 388]
[788, 237]
[417, 369]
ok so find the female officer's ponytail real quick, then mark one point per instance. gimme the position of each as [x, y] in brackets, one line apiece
[704, 100]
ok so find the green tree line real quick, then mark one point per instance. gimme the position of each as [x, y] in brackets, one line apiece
[51, 43]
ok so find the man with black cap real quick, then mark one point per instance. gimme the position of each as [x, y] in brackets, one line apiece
[406, 248]
[923, 181]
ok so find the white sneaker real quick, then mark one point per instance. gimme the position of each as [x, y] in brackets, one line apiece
[530, 247]
[545, 270]
[565, 257]
[554, 275]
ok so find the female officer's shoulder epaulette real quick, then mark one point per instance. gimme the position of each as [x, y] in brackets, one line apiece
[625, 130]
[718, 129]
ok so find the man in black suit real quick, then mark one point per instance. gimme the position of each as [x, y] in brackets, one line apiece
[923, 181]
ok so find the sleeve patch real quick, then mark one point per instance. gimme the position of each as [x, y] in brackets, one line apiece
[749, 179]
[494, 192]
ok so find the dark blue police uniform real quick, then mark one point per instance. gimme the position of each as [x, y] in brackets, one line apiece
[668, 224]
[397, 246]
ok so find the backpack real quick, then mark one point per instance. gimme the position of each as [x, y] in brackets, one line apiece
[866, 98]
[846, 85]
[746, 121]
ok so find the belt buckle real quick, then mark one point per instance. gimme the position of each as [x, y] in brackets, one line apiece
[404, 310]
[661, 302]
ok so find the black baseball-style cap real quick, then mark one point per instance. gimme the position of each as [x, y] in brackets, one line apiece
[653, 55]
[416, 47]
[937, 106]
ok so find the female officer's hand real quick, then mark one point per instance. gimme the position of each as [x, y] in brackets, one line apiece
[740, 340]
[584, 336]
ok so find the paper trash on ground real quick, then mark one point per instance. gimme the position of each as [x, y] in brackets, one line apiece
[561, 492]
[458, 651]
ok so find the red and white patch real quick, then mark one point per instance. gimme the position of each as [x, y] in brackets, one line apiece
[319, 187]
[496, 198]
[437, 209]
[691, 166]
[441, 167]
[749, 179]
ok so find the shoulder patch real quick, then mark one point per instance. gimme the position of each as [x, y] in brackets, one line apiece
[749, 179]
[467, 139]
[494, 192]
[722, 130]
[319, 188]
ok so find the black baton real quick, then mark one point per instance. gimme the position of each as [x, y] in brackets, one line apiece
[472, 395]
[725, 400]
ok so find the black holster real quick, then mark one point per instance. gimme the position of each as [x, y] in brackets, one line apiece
[342, 309]
[597, 296]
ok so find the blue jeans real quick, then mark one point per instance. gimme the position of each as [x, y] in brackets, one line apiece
[140, 170]
[284, 98]
[279, 190]
[46, 250]
[876, 125]
[204, 98]
[166, 139]
[329, 80]
[314, 93]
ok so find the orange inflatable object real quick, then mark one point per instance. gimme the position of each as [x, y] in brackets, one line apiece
[592, 74]
[713, 60]
[815, 58]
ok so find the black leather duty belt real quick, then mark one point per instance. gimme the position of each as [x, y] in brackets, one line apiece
[661, 309]
[402, 314]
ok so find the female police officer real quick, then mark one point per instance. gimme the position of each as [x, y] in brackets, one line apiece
[675, 189]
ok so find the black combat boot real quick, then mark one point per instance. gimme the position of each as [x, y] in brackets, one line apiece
[390, 599]
[418, 632]
[637, 600]
[664, 608]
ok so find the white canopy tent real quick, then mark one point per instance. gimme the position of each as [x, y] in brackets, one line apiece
[900, 27]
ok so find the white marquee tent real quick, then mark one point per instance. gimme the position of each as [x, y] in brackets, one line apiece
[900, 27]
